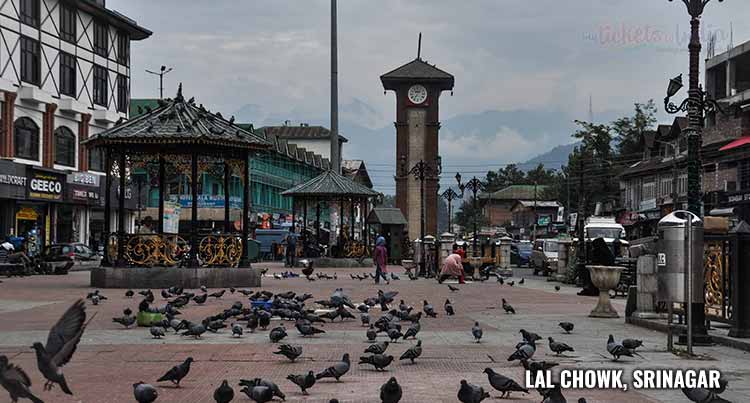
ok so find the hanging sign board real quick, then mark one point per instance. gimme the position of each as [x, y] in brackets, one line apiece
[171, 217]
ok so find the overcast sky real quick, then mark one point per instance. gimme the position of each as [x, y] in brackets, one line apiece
[530, 55]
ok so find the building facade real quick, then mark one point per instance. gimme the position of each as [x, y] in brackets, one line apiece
[497, 206]
[64, 75]
[315, 139]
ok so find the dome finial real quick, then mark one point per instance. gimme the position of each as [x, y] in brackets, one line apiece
[179, 97]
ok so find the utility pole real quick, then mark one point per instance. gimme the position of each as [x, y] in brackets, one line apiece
[162, 72]
[535, 216]
[335, 150]
[581, 252]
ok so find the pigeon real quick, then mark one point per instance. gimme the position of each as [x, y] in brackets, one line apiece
[372, 334]
[508, 307]
[336, 370]
[377, 348]
[224, 393]
[412, 331]
[529, 336]
[61, 344]
[557, 288]
[477, 332]
[344, 314]
[701, 395]
[616, 349]
[524, 351]
[303, 381]
[289, 351]
[364, 318]
[500, 280]
[511, 283]
[558, 347]
[469, 393]
[257, 382]
[165, 294]
[395, 277]
[264, 319]
[567, 326]
[200, 299]
[428, 309]
[554, 395]
[194, 329]
[129, 293]
[449, 308]
[394, 335]
[145, 293]
[177, 372]
[204, 288]
[535, 367]
[379, 361]
[217, 294]
[214, 325]
[156, 332]
[259, 394]
[523, 280]
[127, 319]
[252, 322]
[144, 393]
[452, 288]
[236, 330]
[503, 384]
[277, 333]
[632, 344]
[16, 381]
[391, 391]
[412, 352]
[95, 300]
[306, 329]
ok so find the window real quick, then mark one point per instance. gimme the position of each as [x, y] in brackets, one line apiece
[30, 65]
[682, 184]
[100, 39]
[68, 28]
[123, 48]
[67, 74]
[122, 93]
[30, 12]
[26, 139]
[649, 191]
[100, 85]
[96, 159]
[65, 146]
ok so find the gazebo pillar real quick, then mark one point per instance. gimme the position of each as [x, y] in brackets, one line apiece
[317, 221]
[161, 193]
[244, 261]
[351, 218]
[107, 206]
[194, 210]
[294, 215]
[227, 226]
[121, 212]
[304, 215]
[341, 226]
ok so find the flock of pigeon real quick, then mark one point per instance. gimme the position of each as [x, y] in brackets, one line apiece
[395, 322]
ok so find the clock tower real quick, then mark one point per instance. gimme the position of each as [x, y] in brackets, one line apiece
[418, 86]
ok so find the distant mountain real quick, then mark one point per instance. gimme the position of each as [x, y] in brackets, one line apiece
[552, 159]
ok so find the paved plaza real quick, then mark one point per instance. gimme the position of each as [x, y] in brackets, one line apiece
[110, 358]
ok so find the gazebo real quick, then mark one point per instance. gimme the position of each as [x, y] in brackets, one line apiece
[333, 188]
[187, 157]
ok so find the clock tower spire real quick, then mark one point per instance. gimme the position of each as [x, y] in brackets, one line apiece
[418, 86]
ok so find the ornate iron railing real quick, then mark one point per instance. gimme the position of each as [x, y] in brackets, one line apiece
[717, 253]
[150, 250]
[220, 250]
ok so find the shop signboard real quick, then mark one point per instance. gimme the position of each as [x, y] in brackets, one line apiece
[171, 217]
[544, 220]
[45, 185]
[84, 187]
[210, 201]
[12, 180]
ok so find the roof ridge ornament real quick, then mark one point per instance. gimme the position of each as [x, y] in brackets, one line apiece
[179, 97]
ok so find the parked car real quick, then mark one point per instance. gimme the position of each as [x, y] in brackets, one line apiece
[64, 252]
[520, 253]
[544, 255]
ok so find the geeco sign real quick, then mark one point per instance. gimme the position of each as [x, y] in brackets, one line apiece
[45, 185]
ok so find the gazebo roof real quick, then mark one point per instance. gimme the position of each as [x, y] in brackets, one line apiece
[329, 185]
[179, 122]
[386, 216]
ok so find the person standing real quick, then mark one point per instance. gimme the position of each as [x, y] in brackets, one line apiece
[380, 257]
[291, 247]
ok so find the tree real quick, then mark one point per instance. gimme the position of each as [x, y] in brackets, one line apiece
[504, 177]
[540, 176]
[465, 216]
[630, 129]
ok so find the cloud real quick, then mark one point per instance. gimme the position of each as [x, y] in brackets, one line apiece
[505, 144]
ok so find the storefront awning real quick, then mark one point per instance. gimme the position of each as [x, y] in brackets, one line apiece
[737, 143]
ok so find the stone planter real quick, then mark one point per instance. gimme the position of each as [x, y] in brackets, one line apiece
[604, 278]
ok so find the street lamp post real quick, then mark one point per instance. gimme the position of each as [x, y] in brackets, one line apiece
[695, 105]
[450, 195]
[422, 171]
[474, 186]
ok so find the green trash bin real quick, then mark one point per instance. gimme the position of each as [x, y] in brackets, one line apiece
[148, 319]
[253, 251]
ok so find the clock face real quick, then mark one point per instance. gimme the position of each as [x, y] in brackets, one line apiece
[417, 94]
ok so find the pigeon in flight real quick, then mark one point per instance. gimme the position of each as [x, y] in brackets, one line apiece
[61, 344]
[144, 393]
[16, 382]
[224, 393]
[567, 326]
[177, 372]
[469, 393]
[413, 352]
[336, 370]
[477, 332]
[289, 351]
[391, 391]
[503, 384]
[616, 349]
[507, 307]
[558, 347]
[303, 381]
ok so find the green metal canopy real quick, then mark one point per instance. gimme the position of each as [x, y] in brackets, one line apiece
[386, 216]
[329, 185]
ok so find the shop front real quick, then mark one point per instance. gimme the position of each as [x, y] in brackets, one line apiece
[75, 218]
[12, 189]
[35, 217]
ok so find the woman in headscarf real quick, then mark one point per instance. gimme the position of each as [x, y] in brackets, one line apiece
[452, 267]
[380, 257]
